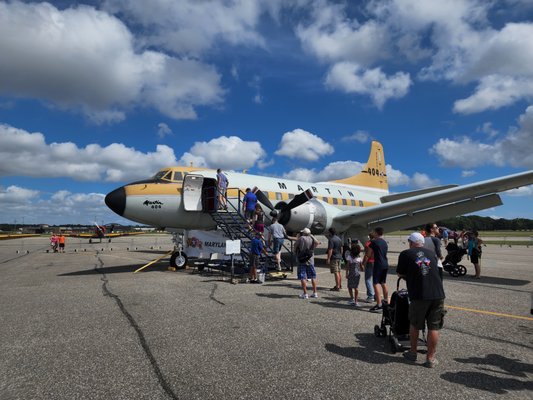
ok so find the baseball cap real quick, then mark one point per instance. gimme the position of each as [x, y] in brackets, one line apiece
[416, 237]
[306, 231]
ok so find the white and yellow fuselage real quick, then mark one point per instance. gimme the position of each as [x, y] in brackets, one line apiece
[176, 196]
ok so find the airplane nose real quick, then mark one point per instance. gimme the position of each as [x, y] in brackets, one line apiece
[116, 200]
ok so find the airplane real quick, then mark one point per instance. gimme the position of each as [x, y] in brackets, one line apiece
[100, 232]
[185, 197]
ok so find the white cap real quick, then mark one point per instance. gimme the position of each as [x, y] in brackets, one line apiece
[306, 231]
[416, 237]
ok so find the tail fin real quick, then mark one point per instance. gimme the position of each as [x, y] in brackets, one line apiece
[374, 173]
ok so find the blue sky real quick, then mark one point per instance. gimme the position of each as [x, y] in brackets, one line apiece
[96, 94]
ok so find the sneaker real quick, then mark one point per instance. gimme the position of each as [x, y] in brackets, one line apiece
[376, 309]
[431, 363]
[356, 304]
[409, 355]
[370, 299]
[304, 296]
[278, 268]
[334, 289]
[352, 302]
[314, 295]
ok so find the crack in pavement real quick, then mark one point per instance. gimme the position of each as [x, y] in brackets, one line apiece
[144, 344]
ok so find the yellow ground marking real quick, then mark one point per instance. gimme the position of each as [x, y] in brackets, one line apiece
[490, 313]
[153, 262]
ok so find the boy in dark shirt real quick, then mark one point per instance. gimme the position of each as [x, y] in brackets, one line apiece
[418, 266]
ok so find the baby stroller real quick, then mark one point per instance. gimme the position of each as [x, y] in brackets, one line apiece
[396, 316]
[452, 260]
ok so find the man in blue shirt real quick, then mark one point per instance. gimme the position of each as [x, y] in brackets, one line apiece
[248, 204]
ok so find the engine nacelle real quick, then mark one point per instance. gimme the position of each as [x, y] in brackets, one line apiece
[312, 214]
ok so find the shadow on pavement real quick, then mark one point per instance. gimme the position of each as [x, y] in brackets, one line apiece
[494, 364]
[371, 350]
[118, 269]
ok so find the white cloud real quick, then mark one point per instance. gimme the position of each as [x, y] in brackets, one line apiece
[303, 145]
[84, 59]
[332, 36]
[33, 207]
[523, 191]
[467, 173]
[397, 177]
[359, 136]
[225, 152]
[514, 149]
[421, 180]
[488, 129]
[15, 195]
[163, 130]
[494, 92]
[192, 27]
[343, 169]
[351, 78]
[114, 162]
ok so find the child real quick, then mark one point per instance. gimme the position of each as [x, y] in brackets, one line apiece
[353, 272]
[256, 248]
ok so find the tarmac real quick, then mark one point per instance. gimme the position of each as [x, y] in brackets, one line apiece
[82, 325]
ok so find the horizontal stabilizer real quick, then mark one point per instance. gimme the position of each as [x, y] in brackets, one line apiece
[404, 195]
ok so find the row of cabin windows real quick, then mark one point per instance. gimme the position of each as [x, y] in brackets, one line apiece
[330, 200]
[178, 176]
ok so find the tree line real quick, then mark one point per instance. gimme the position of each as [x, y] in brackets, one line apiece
[475, 222]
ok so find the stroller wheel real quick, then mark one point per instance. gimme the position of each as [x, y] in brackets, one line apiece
[462, 270]
[377, 330]
[455, 272]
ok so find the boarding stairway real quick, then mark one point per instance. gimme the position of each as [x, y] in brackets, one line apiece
[232, 222]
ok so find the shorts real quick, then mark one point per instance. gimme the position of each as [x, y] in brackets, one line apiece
[474, 257]
[259, 227]
[335, 265]
[353, 281]
[306, 271]
[276, 245]
[255, 260]
[430, 311]
[380, 275]
[249, 214]
[61, 245]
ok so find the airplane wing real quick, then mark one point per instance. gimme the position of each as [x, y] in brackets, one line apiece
[108, 235]
[419, 209]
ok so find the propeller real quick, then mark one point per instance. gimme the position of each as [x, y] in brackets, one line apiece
[262, 198]
[282, 209]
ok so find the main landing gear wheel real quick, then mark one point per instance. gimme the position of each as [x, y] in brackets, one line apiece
[178, 260]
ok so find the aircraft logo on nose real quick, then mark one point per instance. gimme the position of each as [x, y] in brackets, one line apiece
[153, 204]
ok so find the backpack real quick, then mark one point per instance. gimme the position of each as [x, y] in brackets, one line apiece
[305, 255]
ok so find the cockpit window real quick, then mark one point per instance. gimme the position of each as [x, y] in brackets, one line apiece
[160, 175]
[178, 176]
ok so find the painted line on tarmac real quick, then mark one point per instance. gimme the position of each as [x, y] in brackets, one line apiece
[490, 313]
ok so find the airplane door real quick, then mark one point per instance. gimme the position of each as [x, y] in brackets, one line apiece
[192, 192]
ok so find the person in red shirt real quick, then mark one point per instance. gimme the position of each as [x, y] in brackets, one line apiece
[368, 272]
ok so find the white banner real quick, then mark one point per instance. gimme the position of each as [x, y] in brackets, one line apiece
[202, 244]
